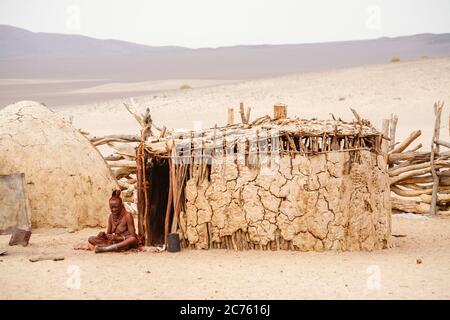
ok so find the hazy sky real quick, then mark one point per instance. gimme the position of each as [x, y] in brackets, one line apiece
[212, 23]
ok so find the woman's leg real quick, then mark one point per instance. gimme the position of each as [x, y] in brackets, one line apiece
[96, 241]
[130, 242]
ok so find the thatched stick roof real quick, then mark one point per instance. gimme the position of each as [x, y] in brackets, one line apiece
[260, 130]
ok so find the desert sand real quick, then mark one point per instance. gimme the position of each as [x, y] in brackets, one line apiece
[406, 88]
[59, 92]
[394, 273]
[417, 267]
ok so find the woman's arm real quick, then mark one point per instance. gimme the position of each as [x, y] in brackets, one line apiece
[130, 225]
[109, 228]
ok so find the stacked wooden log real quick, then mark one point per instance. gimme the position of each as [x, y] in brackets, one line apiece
[122, 160]
[420, 181]
[122, 163]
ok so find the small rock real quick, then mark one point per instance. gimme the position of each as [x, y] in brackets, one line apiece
[418, 261]
[148, 271]
[70, 230]
[45, 257]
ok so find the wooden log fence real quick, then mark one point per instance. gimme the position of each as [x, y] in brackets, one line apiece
[419, 180]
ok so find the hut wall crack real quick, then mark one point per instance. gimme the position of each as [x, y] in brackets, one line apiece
[302, 203]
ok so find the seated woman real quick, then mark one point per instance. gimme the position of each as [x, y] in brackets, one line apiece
[120, 234]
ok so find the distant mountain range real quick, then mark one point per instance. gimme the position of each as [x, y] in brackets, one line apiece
[25, 54]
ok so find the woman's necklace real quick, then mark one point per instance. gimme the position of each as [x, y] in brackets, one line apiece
[116, 221]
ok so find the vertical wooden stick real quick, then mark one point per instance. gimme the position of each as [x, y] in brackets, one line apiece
[393, 127]
[384, 142]
[213, 151]
[435, 149]
[385, 131]
[146, 195]
[230, 118]
[279, 111]
[176, 195]
[139, 173]
[247, 116]
[174, 184]
[181, 176]
[169, 203]
[241, 111]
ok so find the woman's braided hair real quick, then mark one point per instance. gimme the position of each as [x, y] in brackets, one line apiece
[116, 195]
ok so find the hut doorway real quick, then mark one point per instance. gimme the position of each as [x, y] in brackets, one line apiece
[159, 175]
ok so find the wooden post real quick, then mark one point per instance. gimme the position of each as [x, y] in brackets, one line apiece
[174, 183]
[247, 116]
[280, 111]
[393, 127]
[385, 131]
[169, 203]
[435, 149]
[241, 111]
[139, 187]
[230, 118]
[384, 142]
[181, 176]
[358, 118]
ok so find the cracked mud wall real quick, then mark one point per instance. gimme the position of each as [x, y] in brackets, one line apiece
[68, 183]
[331, 201]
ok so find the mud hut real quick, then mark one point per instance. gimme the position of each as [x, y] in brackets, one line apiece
[274, 184]
[67, 180]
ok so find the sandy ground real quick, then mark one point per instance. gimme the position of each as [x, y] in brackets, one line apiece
[406, 88]
[221, 274]
[57, 93]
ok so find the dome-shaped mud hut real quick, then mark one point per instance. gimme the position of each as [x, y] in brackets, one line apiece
[68, 183]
